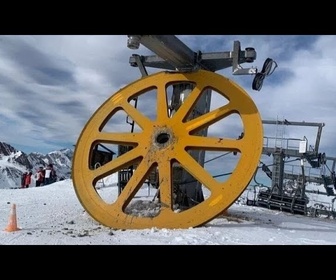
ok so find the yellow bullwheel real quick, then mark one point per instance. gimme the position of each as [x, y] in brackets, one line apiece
[166, 134]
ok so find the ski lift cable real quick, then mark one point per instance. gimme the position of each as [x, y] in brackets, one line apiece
[229, 173]
[217, 157]
[328, 168]
[268, 165]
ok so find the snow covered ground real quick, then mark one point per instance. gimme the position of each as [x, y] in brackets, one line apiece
[53, 215]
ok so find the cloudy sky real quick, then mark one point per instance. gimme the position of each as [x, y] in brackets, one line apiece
[52, 84]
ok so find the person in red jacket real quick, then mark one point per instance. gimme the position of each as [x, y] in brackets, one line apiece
[28, 179]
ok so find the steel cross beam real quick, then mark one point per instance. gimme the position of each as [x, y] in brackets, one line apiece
[173, 54]
[285, 122]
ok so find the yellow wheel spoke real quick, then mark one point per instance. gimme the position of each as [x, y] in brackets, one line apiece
[187, 105]
[214, 144]
[162, 106]
[165, 184]
[139, 118]
[118, 163]
[119, 138]
[134, 184]
[197, 171]
[209, 118]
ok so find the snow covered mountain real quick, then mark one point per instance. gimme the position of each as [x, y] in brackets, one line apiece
[13, 163]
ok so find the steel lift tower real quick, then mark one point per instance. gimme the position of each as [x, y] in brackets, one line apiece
[173, 54]
[296, 148]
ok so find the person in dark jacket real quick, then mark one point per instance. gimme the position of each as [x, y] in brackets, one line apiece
[53, 175]
[39, 177]
[23, 180]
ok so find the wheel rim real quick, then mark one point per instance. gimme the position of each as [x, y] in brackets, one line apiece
[163, 142]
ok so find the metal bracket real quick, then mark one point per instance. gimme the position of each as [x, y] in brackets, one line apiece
[249, 55]
[138, 61]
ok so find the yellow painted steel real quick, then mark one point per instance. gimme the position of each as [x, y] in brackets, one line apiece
[223, 194]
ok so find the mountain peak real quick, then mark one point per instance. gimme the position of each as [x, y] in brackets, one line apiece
[14, 163]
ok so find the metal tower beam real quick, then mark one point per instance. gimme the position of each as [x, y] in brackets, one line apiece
[173, 54]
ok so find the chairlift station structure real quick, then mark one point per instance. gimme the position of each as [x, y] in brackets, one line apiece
[173, 119]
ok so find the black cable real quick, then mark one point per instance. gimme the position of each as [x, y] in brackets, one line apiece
[217, 157]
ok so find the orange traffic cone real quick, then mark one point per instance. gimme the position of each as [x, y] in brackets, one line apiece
[12, 222]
